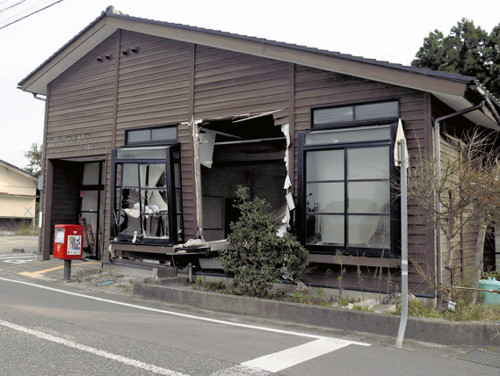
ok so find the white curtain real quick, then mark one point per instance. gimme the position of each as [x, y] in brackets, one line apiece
[154, 175]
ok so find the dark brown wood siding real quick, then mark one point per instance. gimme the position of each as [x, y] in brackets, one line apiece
[230, 83]
[154, 84]
[80, 106]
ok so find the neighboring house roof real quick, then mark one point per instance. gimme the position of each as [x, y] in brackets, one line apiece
[18, 170]
[456, 90]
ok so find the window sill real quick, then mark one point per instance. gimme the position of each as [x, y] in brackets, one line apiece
[354, 260]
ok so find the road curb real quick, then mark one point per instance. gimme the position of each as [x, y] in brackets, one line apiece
[477, 334]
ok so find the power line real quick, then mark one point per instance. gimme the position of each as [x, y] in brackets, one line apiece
[12, 6]
[29, 14]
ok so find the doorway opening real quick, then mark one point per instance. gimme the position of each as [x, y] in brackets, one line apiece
[78, 197]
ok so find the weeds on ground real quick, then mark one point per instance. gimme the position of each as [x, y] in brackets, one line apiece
[212, 286]
[302, 296]
[25, 229]
[126, 288]
[462, 312]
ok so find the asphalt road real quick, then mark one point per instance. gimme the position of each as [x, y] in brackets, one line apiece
[48, 329]
[27, 243]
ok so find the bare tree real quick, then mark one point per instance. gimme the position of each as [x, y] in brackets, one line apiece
[469, 194]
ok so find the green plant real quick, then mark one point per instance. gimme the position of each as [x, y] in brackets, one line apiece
[257, 257]
[198, 282]
[301, 295]
[25, 228]
[343, 302]
[462, 312]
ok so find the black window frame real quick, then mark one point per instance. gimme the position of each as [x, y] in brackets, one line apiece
[150, 141]
[354, 122]
[395, 231]
[174, 194]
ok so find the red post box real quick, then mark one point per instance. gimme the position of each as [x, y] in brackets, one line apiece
[68, 242]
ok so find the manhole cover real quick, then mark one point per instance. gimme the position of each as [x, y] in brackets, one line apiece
[487, 358]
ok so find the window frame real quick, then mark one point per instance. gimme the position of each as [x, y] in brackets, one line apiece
[174, 193]
[151, 142]
[354, 122]
[394, 211]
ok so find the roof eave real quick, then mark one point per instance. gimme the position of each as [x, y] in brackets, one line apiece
[18, 171]
[440, 84]
[109, 22]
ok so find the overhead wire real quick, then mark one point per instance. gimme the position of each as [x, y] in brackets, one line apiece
[12, 6]
[27, 11]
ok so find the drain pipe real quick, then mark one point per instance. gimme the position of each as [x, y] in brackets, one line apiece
[437, 152]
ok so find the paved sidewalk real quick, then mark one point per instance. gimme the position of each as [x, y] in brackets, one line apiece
[88, 275]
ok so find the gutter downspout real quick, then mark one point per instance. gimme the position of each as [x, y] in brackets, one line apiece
[437, 152]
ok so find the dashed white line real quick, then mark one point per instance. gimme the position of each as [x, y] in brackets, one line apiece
[91, 350]
[260, 366]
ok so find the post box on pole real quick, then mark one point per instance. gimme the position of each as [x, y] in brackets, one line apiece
[68, 245]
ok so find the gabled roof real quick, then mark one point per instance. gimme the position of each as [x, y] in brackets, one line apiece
[452, 89]
[18, 171]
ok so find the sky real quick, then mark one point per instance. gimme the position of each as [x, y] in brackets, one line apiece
[388, 30]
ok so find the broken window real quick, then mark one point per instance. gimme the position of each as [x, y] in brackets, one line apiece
[243, 151]
[147, 195]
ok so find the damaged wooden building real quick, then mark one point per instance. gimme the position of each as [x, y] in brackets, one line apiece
[151, 126]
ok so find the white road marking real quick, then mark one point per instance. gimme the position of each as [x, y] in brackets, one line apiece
[200, 318]
[295, 355]
[17, 257]
[17, 254]
[17, 261]
[91, 350]
[240, 370]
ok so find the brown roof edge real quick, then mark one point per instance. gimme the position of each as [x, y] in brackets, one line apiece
[66, 45]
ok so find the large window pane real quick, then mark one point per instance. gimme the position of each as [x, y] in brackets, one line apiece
[155, 214]
[130, 177]
[377, 111]
[325, 165]
[325, 197]
[142, 153]
[89, 200]
[368, 163]
[342, 136]
[369, 231]
[153, 175]
[369, 197]
[325, 229]
[164, 134]
[333, 115]
[91, 173]
[357, 112]
[138, 136]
